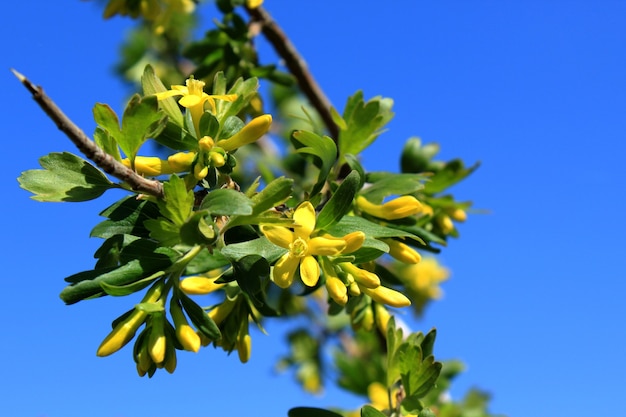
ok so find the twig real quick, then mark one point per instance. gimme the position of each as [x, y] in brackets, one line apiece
[296, 65]
[88, 146]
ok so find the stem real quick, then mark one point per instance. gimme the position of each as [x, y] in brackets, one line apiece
[87, 146]
[296, 65]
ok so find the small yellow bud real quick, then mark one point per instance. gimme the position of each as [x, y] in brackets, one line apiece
[458, 215]
[206, 143]
[403, 252]
[445, 223]
[337, 290]
[199, 172]
[199, 285]
[354, 289]
[217, 159]
[251, 132]
[387, 296]
[397, 208]
[253, 4]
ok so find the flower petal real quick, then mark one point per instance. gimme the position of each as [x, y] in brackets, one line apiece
[170, 93]
[305, 217]
[309, 271]
[280, 236]
[191, 101]
[284, 270]
[325, 246]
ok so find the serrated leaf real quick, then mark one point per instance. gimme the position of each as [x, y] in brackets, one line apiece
[125, 217]
[227, 202]
[141, 120]
[321, 147]
[151, 84]
[313, 412]
[163, 230]
[65, 177]
[105, 141]
[178, 202]
[365, 121]
[340, 203]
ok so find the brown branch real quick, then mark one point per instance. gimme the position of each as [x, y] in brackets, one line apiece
[296, 65]
[87, 146]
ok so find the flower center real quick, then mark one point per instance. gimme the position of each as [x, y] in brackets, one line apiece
[298, 247]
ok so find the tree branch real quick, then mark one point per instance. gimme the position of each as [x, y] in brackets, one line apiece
[87, 146]
[296, 65]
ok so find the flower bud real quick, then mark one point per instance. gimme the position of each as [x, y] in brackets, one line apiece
[397, 208]
[445, 223]
[387, 296]
[149, 166]
[363, 278]
[382, 317]
[206, 143]
[458, 215]
[181, 161]
[122, 333]
[337, 290]
[156, 339]
[199, 171]
[219, 313]
[185, 334]
[251, 132]
[244, 345]
[403, 252]
[199, 285]
[354, 241]
[217, 159]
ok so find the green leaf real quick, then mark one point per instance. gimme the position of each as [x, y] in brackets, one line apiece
[250, 271]
[151, 84]
[206, 261]
[227, 202]
[150, 308]
[322, 148]
[105, 141]
[314, 412]
[141, 120]
[364, 122]
[163, 230]
[177, 138]
[453, 172]
[106, 119]
[369, 411]
[349, 224]
[65, 177]
[126, 217]
[123, 290]
[393, 184]
[261, 246]
[370, 250]
[340, 203]
[178, 202]
[199, 318]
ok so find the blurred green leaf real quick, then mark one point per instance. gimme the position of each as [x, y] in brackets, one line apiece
[323, 150]
[369, 411]
[151, 85]
[364, 122]
[393, 184]
[65, 177]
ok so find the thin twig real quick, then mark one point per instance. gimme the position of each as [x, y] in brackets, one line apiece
[87, 146]
[296, 65]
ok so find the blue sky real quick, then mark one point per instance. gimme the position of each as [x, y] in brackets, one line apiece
[535, 90]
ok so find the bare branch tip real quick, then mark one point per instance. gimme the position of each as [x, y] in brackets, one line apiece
[19, 76]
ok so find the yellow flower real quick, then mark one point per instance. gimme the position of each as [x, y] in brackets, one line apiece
[194, 98]
[302, 246]
[397, 208]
